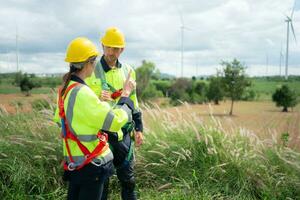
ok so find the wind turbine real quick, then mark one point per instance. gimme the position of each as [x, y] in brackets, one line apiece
[182, 38]
[281, 57]
[267, 64]
[182, 28]
[17, 48]
[289, 21]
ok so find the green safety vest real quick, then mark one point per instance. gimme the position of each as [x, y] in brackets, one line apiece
[111, 81]
[86, 115]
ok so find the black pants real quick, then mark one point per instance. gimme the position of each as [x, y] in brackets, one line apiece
[88, 182]
[85, 191]
[125, 174]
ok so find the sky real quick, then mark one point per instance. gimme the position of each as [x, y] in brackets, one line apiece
[253, 31]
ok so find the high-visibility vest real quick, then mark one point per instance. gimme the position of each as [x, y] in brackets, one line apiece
[85, 116]
[112, 81]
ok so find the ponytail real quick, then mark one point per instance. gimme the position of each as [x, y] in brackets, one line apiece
[67, 78]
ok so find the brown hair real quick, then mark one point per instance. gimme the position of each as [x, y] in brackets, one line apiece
[67, 77]
[74, 67]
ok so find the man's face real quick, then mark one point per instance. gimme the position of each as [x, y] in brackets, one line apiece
[111, 53]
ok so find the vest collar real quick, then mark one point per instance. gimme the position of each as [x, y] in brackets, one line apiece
[105, 66]
[77, 79]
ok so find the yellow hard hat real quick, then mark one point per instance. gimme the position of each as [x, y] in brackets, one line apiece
[113, 38]
[80, 49]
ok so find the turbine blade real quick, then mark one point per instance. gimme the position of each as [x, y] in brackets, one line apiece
[180, 15]
[292, 14]
[293, 31]
[181, 18]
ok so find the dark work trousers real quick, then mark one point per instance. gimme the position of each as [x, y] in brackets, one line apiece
[88, 182]
[125, 174]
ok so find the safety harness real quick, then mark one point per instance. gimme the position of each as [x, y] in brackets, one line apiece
[106, 86]
[68, 135]
[115, 94]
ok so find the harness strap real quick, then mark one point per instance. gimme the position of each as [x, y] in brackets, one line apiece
[67, 134]
[62, 98]
[105, 85]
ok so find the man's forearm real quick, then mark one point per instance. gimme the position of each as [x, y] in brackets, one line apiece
[137, 118]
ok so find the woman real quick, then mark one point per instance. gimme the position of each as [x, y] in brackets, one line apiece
[84, 119]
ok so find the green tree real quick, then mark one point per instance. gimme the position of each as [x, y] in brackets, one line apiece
[215, 91]
[285, 97]
[234, 81]
[17, 79]
[198, 94]
[189, 90]
[249, 94]
[163, 85]
[180, 90]
[144, 74]
[26, 84]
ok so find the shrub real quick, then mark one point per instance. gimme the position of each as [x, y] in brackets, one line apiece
[163, 86]
[285, 97]
[215, 91]
[150, 92]
[249, 95]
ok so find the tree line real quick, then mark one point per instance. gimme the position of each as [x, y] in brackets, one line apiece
[231, 83]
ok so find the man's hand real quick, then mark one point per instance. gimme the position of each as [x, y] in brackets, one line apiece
[128, 86]
[139, 138]
[105, 96]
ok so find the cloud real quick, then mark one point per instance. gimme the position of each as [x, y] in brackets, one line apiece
[215, 30]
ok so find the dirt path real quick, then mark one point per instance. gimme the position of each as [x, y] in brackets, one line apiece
[11, 102]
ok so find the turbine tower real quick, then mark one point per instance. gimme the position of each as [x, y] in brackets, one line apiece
[289, 21]
[281, 57]
[182, 27]
[17, 48]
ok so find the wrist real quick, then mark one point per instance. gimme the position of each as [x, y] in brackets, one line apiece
[125, 93]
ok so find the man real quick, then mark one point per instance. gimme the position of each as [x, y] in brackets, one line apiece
[107, 82]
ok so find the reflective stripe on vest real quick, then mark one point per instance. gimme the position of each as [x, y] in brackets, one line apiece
[108, 121]
[69, 116]
[104, 154]
[98, 160]
[100, 74]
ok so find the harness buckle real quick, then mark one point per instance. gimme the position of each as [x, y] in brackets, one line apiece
[96, 164]
[71, 166]
[102, 137]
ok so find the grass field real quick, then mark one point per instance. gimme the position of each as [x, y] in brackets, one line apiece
[262, 119]
[10, 89]
[183, 158]
[190, 151]
[265, 88]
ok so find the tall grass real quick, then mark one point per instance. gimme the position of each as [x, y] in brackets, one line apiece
[30, 155]
[182, 153]
[182, 158]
